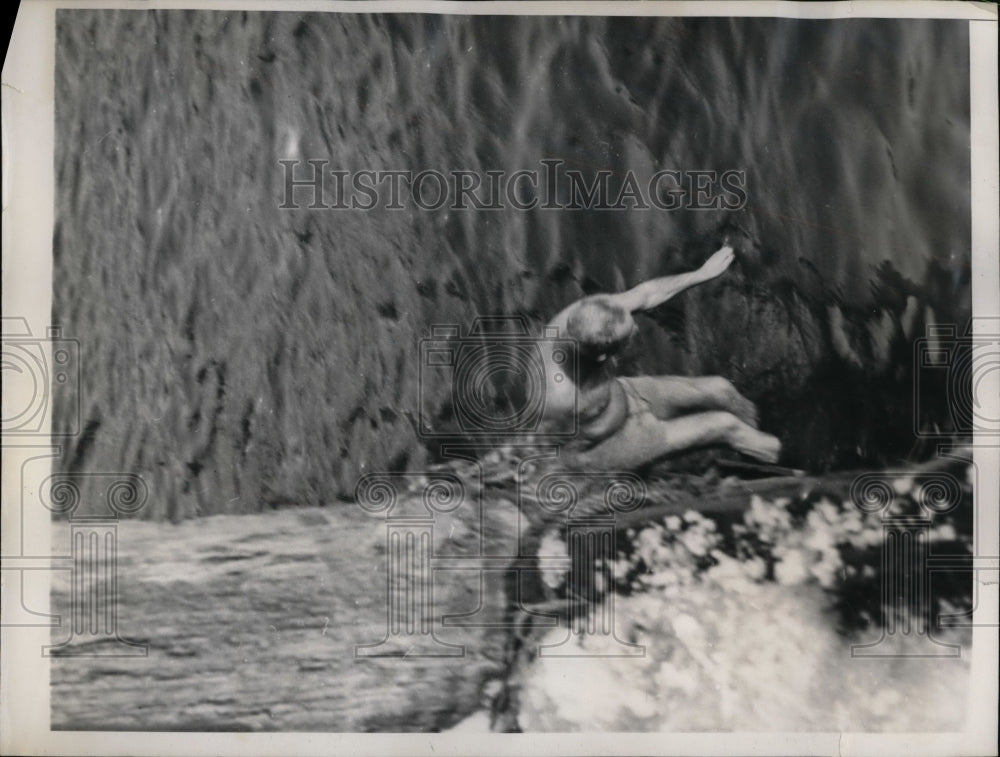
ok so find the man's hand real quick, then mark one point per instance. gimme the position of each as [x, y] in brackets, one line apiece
[717, 264]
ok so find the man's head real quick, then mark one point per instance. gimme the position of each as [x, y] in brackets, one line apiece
[599, 326]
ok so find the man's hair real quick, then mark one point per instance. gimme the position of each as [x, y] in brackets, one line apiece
[598, 325]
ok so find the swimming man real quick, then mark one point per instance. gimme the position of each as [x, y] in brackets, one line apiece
[626, 423]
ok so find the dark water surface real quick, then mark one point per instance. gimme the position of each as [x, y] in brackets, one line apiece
[238, 354]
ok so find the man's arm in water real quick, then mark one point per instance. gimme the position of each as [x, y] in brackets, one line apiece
[649, 294]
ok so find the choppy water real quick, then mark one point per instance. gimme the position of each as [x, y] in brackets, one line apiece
[236, 352]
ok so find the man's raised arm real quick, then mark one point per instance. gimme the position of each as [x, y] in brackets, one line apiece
[649, 294]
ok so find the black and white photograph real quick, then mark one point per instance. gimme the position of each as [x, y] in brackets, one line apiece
[503, 368]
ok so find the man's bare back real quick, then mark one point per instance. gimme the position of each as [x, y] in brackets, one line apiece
[625, 423]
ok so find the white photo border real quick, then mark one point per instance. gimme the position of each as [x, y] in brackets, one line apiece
[28, 210]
